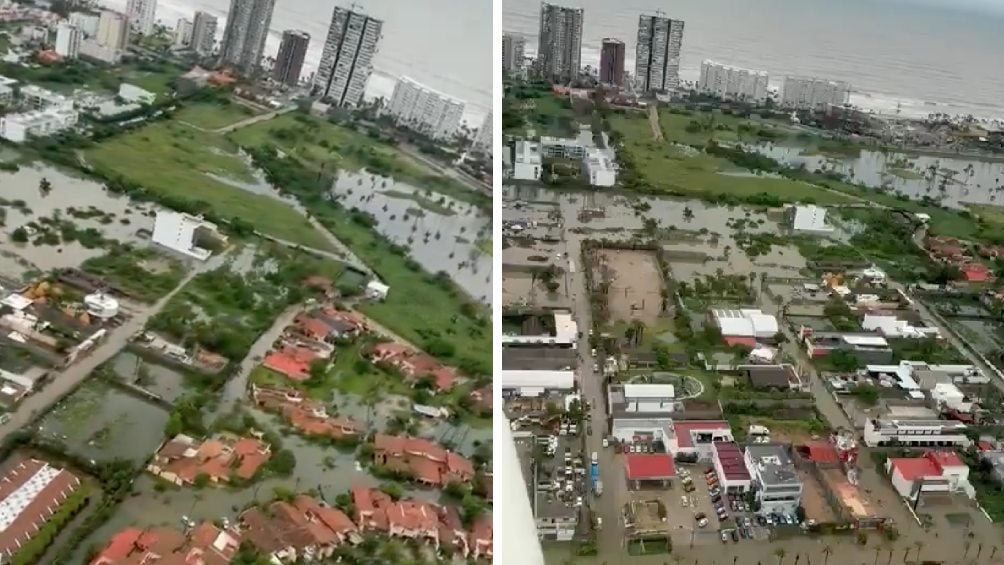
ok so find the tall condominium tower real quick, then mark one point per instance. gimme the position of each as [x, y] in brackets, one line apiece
[612, 62]
[113, 30]
[203, 33]
[347, 59]
[657, 59]
[142, 15]
[559, 46]
[244, 36]
[424, 110]
[513, 48]
[289, 61]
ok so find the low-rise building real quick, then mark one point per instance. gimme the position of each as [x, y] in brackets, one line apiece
[32, 492]
[809, 218]
[776, 482]
[648, 469]
[527, 163]
[746, 322]
[936, 471]
[880, 432]
[303, 530]
[415, 365]
[136, 95]
[532, 383]
[205, 543]
[18, 128]
[647, 398]
[865, 347]
[771, 377]
[599, 169]
[308, 417]
[183, 232]
[730, 467]
[698, 437]
[421, 459]
[183, 459]
[890, 325]
[562, 148]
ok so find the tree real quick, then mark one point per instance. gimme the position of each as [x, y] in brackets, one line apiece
[44, 186]
[780, 553]
[439, 347]
[19, 235]
[318, 372]
[393, 490]
[174, 425]
[843, 361]
[827, 552]
[283, 462]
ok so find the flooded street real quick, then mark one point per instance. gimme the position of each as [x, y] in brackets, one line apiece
[953, 181]
[440, 233]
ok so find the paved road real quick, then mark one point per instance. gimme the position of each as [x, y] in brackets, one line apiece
[64, 381]
[236, 387]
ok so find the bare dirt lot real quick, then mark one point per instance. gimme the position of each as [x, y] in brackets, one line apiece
[814, 501]
[635, 284]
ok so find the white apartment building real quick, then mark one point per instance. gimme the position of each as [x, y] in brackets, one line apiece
[203, 33]
[778, 488]
[111, 39]
[562, 148]
[39, 98]
[657, 58]
[527, 163]
[179, 232]
[68, 39]
[425, 110]
[18, 128]
[809, 218]
[808, 93]
[732, 83]
[483, 138]
[183, 33]
[136, 95]
[86, 23]
[142, 15]
[347, 58]
[598, 169]
[513, 52]
[915, 433]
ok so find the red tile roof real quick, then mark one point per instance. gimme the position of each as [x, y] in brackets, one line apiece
[683, 430]
[975, 272]
[913, 468]
[38, 504]
[822, 452]
[294, 369]
[649, 466]
[730, 456]
[732, 341]
[944, 459]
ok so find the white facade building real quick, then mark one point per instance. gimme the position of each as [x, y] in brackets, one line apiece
[136, 95]
[948, 396]
[111, 39]
[204, 33]
[745, 323]
[178, 231]
[559, 42]
[698, 437]
[513, 52]
[534, 383]
[483, 138]
[915, 433]
[657, 58]
[732, 83]
[936, 471]
[183, 33]
[346, 61]
[810, 218]
[598, 169]
[891, 326]
[778, 487]
[807, 93]
[527, 163]
[68, 40]
[562, 148]
[649, 398]
[18, 128]
[565, 334]
[86, 23]
[142, 15]
[425, 110]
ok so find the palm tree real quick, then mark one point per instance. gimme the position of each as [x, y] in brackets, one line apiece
[966, 545]
[919, 544]
[827, 552]
[877, 549]
[44, 186]
[780, 553]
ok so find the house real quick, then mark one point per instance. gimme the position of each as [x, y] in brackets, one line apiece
[308, 417]
[301, 530]
[865, 347]
[745, 323]
[975, 273]
[698, 437]
[439, 526]
[946, 249]
[889, 325]
[421, 459]
[205, 544]
[935, 471]
[772, 377]
[376, 290]
[480, 541]
[415, 365]
[182, 460]
[527, 161]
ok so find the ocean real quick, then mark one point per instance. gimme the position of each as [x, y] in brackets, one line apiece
[443, 44]
[920, 56]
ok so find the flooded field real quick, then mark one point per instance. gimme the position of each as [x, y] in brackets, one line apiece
[440, 233]
[28, 202]
[953, 181]
[102, 423]
[158, 379]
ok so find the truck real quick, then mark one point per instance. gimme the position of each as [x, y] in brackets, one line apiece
[595, 477]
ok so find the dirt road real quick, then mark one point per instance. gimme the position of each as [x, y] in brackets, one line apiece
[653, 121]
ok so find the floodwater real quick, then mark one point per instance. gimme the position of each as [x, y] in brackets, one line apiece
[322, 468]
[158, 379]
[953, 181]
[102, 423]
[23, 203]
[436, 239]
[699, 243]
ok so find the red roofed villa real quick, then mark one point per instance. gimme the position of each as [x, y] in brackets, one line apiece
[183, 459]
[423, 460]
[935, 471]
[415, 365]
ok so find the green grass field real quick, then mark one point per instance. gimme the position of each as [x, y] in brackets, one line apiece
[173, 159]
[210, 116]
[671, 169]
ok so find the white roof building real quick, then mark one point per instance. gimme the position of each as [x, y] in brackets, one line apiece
[810, 218]
[891, 326]
[598, 169]
[376, 290]
[566, 332]
[527, 162]
[949, 396]
[535, 383]
[134, 94]
[745, 323]
[649, 397]
[425, 110]
[178, 231]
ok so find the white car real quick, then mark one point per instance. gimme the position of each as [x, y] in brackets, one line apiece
[606, 442]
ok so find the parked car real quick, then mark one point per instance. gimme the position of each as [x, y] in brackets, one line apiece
[725, 536]
[735, 536]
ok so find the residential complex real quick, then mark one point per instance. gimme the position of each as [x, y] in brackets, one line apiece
[86, 22]
[484, 138]
[513, 52]
[68, 39]
[809, 93]
[425, 110]
[112, 37]
[289, 60]
[142, 15]
[347, 59]
[245, 33]
[44, 113]
[203, 33]
[31, 492]
[183, 33]
[732, 83]
[559, 44]
[612, 62]
[657, 56]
